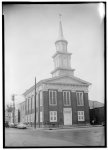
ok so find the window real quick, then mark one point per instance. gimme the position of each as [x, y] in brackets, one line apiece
[29, 104]
[41, 98]
[26, 119]
[66, 98]
[32, 101]
[52, 97]
[41, 116]
[32, 117]
[26, 105]
[37, 98]
[79, 98]
[53, 116]
[36, 116]
[80, 115]
[23, 107]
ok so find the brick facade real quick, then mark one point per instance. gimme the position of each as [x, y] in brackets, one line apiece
[59, 108]
[43, 111]
[74, 108]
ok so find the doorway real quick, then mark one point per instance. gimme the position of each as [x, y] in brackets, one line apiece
[67, 116]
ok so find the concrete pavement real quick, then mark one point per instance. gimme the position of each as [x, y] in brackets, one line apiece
[93, 136]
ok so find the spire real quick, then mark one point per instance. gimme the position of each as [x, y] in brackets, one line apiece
[60, 37]
[63, 46]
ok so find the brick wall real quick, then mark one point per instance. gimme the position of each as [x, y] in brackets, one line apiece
[74, 108]
[60, 106]
[46, 106]
[86, 108]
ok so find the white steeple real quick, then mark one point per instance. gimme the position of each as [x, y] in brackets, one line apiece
[61, 43]
[62, 59]
[60, 36]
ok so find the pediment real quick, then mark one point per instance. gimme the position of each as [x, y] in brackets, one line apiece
[67, 80]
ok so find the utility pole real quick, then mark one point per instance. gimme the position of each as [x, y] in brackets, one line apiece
[13, 99]
[35, 106]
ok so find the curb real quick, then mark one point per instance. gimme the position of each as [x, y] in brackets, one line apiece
[77, 127]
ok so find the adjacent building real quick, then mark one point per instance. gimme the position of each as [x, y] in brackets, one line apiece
[97, 112]
[22, 111]
[8, 116]
[60, 100]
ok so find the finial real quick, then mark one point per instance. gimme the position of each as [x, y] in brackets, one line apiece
[60, 16]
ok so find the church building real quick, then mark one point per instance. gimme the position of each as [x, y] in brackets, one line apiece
[61, 100]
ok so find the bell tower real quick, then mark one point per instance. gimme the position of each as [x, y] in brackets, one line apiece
[62, 59]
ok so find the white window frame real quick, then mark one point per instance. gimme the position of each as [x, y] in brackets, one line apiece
[26, 105]
[41, 116]
[53, 91]
[29, 104]
[32, 117]
[81, 116]
[66, 98]
[37, 100]
[28, 118]
[36, 116]
[25, 118]
[41, 98]
[80, 102]
[32, 101]
[53, 116]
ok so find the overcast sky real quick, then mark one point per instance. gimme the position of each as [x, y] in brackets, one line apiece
[30, 35]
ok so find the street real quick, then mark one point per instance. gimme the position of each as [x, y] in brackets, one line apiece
[90, 136]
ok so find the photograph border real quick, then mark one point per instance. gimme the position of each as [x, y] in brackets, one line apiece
[3, 70]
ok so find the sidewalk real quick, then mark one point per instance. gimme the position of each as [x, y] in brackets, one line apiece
[65, 127]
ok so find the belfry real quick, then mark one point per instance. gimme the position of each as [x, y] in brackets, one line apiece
[61, 100]
[62, 58]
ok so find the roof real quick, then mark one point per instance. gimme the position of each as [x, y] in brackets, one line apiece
[95, 104]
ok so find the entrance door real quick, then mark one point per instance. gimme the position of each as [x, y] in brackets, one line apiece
[67, 116]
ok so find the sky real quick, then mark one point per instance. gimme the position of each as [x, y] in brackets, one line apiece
[30, 34]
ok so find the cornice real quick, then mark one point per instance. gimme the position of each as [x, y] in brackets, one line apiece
[62, 87]
[61, 40]
[65, 69]
[41, 84]
[58, 52]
